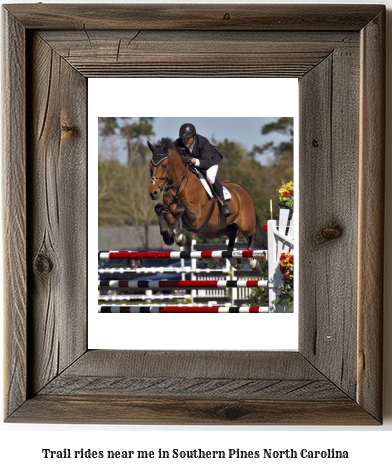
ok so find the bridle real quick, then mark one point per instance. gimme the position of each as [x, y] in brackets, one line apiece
[155, 167]
[166, 188]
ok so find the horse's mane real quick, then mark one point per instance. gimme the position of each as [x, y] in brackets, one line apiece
[167, 143]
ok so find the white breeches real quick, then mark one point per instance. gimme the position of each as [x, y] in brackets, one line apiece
[211, 173]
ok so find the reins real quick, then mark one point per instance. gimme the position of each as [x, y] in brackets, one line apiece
[168, 187]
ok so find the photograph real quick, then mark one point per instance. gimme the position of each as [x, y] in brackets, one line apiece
[200, 201]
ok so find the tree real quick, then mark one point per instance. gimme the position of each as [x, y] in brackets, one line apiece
[133, 133]
[281, 168]
[285, 126]
[240, 167]
[233, 154]
[123, 198]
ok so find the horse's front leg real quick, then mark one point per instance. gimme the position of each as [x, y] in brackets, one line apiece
[166, 233]
[235, 262]
[179, 237]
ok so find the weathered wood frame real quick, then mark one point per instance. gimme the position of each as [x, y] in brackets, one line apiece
[337, 52]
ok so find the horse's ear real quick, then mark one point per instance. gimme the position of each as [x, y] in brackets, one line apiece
[150, 146]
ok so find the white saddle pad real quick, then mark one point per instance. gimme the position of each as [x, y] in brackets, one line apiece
[226, 193]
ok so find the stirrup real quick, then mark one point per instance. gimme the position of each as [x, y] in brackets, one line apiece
[227, 211]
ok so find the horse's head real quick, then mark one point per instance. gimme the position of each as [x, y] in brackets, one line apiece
[159, 168]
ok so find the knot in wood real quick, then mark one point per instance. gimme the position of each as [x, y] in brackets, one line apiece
[232, 413]
[328, 233]
[227, 16]
[69, 128]
[43, 264]
[315, 143]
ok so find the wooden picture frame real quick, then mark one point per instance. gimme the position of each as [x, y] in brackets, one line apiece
[337, 52]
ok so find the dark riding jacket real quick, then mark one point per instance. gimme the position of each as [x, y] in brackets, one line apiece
[207, 154]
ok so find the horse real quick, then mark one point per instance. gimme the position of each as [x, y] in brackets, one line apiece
[187, 205]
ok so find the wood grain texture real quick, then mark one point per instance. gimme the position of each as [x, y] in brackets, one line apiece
[329, 195]
[205, 374]
[103, 409]
[192, 17]
[14, 213]
[57, 210]
[335, 378]
[209, 364]
[192, 387]
[201, 387]
[193, 53]
[371, 216]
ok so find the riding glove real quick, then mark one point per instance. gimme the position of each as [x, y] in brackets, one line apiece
[187, 160]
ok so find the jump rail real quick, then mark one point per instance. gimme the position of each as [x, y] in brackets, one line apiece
[204, 254]
[163, 270]
[280, 239]
[143, 297]
[181, 309]
[183, 284]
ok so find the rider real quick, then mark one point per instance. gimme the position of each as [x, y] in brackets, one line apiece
[197, 150]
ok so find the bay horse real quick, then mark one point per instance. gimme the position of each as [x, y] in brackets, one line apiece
[187, 205]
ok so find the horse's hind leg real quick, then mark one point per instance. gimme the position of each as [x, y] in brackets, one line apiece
[166, 233]
[179, 237]
[235, 262]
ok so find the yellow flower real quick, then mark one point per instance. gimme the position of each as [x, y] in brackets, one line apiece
[286, 195]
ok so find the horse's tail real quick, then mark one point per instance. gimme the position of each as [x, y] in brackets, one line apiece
[260, 240]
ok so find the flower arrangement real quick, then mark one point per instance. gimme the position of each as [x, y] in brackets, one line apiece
[286, 290]
[286, 265]
[286, 196]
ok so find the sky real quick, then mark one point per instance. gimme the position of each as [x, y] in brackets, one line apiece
[243, 130]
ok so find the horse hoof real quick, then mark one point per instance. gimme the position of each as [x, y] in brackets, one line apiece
[158, 209]
[237, 264]
[169, 241]
[181, 240]
[254, 264]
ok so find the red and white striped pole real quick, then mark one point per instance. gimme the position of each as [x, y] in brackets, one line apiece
[122, 309]
[205, 254]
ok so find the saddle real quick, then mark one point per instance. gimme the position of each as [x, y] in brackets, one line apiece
[207, 187]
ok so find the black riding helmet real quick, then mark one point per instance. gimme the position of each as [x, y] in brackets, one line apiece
[186, 131]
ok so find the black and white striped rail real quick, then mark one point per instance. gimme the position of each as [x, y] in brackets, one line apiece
[183, 270]
[202, 284]
[114, 298]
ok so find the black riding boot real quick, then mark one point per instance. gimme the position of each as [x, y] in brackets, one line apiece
[218, 188]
